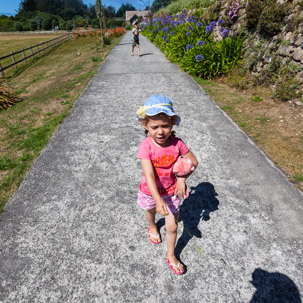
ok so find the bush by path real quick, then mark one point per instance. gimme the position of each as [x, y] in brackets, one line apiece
[202, 50]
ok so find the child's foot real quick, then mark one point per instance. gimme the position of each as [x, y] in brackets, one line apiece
[132, 54]
[175, 265]
[153, 235]
[140, 55]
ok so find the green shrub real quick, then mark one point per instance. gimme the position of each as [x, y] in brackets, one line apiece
[253, 11]
[189, 42]
[286, 90]
[18, 26]
[213, 59]
[179, 5]
[106, 40]
[270, 22]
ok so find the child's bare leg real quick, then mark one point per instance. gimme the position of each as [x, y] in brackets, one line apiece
[171, 236]
[150, 216]
[138, 48]
[133, 50]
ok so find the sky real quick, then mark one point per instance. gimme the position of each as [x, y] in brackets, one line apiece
[10, 6]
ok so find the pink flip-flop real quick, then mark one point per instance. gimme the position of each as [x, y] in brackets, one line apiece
[171, 265]
[151, 235]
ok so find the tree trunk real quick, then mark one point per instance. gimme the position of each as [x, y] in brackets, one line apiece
[101, 28]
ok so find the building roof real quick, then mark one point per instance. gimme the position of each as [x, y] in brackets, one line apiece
[130, 14]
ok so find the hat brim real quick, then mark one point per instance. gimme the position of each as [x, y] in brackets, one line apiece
[177, 118]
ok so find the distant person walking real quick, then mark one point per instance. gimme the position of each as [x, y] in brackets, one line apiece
[136, 42]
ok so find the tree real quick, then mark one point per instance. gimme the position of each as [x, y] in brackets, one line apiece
[109, 11]
[39, 22]
[27, 6]
[146, 3]
[123, 8]
[33, 25]
[157, 4]
[47, 23]
[100, 14]
[18, 26]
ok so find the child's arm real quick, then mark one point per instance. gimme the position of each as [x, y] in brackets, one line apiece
[180, 190]
[149, 174]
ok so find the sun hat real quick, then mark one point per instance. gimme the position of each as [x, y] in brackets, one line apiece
[155, 105]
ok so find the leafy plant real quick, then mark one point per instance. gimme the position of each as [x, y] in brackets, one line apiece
[190, 42]
[299, 177]
[8, 97]
[253, 11]
[271, 18]
[286, 90]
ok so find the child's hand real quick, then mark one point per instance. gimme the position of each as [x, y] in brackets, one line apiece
[161, 208]
[181, 189]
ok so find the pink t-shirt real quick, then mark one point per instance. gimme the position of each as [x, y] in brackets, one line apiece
[163, 159]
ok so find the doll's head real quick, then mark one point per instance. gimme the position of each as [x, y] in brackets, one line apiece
[183, 166]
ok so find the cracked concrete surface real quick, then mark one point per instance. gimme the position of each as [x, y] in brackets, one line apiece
[72, 232]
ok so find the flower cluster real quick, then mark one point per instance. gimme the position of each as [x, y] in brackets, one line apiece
[189, 46]
[224, 32]
[188, 41]
[210, 27]
[233, 10]
[198, 58]
[200, 43]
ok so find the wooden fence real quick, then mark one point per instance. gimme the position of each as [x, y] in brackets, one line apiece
[29, 53]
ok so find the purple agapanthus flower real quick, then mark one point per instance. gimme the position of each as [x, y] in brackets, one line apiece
[225, 32]
[172, 33]
[189, 46]
[166, 41]
[200, 43]
[199, 24]
[189, 28]
[220, 22]
[187, 34]
[164, 37]
[212, 24]
[208, 29]
[198, 58]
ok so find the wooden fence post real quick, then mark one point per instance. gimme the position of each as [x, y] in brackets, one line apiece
[24, 56]
[32, 53]
[2, 73]
[14, 60]
[38, 50]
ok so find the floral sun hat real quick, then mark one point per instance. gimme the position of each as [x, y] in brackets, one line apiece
[155, 105]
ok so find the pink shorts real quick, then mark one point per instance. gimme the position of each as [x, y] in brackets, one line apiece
[147, 202]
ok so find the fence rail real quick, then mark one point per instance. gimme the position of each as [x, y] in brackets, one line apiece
[25, 33]
[29, 53]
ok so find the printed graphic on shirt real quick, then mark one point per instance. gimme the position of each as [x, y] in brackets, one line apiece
[164, 160]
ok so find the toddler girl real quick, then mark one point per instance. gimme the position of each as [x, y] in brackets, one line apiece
[160, 191]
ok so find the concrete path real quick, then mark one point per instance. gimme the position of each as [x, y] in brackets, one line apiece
[73, 231]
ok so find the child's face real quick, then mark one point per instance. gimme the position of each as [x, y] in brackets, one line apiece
[159, 128]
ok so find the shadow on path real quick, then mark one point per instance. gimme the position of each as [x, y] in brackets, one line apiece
[274, 288]
[146, 54]
[200, 203]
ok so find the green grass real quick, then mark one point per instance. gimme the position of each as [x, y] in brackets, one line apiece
[52, 85]
[299, 177]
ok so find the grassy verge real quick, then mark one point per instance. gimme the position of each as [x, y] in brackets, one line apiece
[49, 88]
[276, 127]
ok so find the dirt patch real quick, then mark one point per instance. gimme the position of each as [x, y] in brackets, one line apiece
[275, 126]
